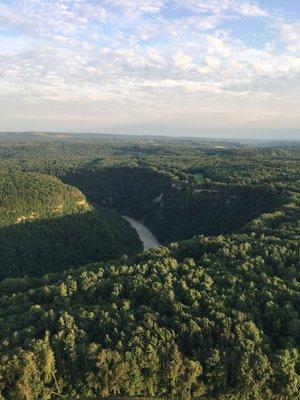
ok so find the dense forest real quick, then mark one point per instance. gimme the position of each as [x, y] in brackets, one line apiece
[154, 198]
[86, 314]
[47, 226]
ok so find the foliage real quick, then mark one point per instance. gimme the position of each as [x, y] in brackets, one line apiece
[155, 198]
[163, 324]
[47, 226]
[212, 317]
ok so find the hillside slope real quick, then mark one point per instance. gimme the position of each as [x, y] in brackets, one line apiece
[209, 318]
[171, 210]
[32, 196]
[46, 226]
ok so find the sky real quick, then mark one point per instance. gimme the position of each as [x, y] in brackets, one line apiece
[207, 68]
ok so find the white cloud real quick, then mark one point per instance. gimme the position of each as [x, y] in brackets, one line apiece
[92, 12]
[246, 8]
[136, 56]
[135, 8]
[217, 45]
[290, 33]
[9, 16]
[183, 61]
[212, 62]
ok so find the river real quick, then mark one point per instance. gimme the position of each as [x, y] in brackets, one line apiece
[148, 239]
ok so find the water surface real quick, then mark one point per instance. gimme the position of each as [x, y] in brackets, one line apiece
[146, 236]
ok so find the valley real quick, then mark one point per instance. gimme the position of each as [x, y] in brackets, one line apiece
[209, 311]
[149, 200]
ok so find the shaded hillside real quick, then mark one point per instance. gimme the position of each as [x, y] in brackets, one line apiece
[48, 226]
[174, 211]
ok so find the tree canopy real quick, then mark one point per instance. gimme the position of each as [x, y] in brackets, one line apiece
[85, 314]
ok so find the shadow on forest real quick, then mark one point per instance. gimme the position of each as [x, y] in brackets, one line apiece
[173, 211]
[51, 245]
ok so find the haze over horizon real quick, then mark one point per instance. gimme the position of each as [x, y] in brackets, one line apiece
[209, 68]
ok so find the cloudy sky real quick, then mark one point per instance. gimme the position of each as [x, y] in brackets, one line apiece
[181, 67]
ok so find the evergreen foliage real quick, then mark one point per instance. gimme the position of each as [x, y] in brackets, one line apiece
[47, 226]
[213, 315]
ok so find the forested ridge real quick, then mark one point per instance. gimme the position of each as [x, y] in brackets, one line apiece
[47, 226]
[207, 318]
[153, 197]
[213, 315]
[33, 196]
